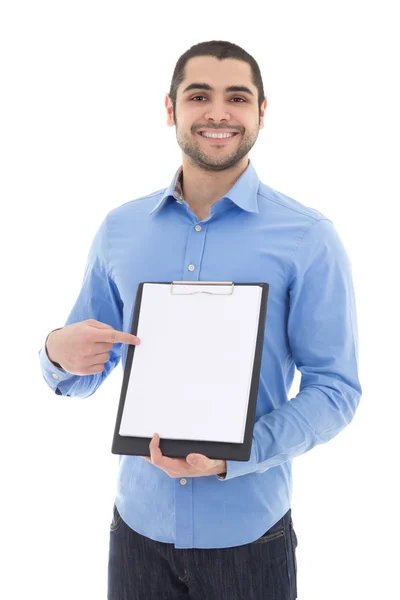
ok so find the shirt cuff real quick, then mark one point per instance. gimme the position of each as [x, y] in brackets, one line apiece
[236, 468]
[52, 374]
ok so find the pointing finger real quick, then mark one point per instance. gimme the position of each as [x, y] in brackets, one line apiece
[119, 337]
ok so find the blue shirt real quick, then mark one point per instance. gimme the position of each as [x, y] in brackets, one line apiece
[253, 234]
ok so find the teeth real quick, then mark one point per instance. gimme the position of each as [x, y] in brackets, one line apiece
[216, 135]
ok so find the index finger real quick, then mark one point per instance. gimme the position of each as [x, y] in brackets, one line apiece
[113, 336]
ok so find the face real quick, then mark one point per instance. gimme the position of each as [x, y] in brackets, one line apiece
[205, 104]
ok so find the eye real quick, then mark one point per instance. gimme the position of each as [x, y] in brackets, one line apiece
[235, 98]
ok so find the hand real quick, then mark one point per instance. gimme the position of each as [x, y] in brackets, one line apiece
[83, 348]
[179, 467]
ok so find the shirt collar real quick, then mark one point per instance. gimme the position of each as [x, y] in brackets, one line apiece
[243, 193]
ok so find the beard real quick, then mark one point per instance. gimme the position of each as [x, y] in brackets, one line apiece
[214, 160]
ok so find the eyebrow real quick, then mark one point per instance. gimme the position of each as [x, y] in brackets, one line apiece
[205, 86]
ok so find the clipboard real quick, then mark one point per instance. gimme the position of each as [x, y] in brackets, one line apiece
[184, 313]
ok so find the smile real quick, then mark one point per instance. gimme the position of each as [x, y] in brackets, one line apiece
[217, 138]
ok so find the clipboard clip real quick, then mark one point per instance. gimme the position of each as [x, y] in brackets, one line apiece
[219, 283]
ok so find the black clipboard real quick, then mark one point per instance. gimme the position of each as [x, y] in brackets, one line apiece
[139, 446]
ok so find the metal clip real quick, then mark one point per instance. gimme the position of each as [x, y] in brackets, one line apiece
[212, 283]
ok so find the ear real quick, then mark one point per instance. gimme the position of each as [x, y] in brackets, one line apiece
[262, 113]
[170, 111]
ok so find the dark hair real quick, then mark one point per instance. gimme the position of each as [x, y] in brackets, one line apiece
[221, 50]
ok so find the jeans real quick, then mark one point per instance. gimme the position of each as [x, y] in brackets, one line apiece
[142, 569]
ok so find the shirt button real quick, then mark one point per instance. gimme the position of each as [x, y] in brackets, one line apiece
[198, 228]
[183, 481]
[191, 267]
[55, 375]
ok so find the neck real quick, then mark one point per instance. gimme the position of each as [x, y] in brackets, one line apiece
[201, 189]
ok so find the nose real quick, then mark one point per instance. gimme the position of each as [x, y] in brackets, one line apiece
[217, 112]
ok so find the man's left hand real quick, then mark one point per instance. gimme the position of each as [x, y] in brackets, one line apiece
[195, 465]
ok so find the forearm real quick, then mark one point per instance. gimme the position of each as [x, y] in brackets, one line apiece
[314, 416]
[98, 299]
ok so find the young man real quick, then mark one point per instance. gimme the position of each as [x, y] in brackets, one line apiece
[200, 528]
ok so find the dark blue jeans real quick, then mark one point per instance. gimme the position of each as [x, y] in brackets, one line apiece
[142, 569]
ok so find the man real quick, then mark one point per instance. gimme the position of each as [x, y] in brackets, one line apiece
[200, 528]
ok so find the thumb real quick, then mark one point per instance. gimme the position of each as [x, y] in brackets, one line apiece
[98, 324]
[200, 461]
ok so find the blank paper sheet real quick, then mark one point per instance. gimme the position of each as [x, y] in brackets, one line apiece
[191, 374]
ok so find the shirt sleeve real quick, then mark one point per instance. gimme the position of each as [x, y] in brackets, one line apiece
[323, 337]
[98, 299]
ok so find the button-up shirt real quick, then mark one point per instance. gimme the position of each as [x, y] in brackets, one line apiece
[252, 234]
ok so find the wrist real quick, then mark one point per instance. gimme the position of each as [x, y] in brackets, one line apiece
[222, 470]
[49, 351]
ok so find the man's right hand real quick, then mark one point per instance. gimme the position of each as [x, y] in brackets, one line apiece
[83, 348]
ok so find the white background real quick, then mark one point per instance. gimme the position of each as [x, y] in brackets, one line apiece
[83, 130]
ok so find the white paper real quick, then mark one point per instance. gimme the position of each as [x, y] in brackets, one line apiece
[191, 374]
